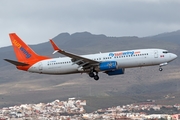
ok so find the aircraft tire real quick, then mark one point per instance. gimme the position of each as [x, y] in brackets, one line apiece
[91, 74]
[160, 69]
[96, 77]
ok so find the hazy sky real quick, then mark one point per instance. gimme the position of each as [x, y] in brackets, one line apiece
[36, 21]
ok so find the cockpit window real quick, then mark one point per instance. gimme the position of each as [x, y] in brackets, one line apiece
[165, 51]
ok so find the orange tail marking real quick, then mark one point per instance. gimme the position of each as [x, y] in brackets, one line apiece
[24, 53]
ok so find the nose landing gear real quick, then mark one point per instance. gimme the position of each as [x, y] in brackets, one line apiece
[160, 69]
[162, 64]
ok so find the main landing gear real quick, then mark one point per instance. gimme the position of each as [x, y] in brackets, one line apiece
[94, 74]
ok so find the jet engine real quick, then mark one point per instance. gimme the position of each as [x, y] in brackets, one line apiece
[108, 65]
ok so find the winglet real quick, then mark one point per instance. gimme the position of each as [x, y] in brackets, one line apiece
[56, 48]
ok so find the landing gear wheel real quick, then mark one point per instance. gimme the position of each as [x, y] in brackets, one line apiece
[96, 77]
[160, 69]
[91, 74]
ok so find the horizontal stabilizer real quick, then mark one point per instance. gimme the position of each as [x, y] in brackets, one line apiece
[16, 63]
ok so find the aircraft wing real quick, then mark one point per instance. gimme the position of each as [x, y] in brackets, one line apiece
[76, 59]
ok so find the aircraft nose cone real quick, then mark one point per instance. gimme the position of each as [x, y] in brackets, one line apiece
[173, 56]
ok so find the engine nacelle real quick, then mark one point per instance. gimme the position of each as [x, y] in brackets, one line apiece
[116, 72]
[108, 65]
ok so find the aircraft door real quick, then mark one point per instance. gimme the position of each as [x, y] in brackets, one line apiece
[155, 54]
[40, 66]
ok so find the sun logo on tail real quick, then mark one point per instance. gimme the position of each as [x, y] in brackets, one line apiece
[18, 45]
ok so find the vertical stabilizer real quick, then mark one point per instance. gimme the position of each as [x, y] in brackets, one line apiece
[23, 52]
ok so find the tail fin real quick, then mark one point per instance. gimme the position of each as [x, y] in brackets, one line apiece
[23, 52]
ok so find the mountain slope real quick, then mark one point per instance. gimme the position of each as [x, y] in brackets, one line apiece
[169, 37]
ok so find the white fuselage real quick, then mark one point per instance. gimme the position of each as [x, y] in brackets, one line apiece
[124, 59]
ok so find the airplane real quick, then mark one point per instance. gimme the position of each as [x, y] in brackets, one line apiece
[111, 63]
